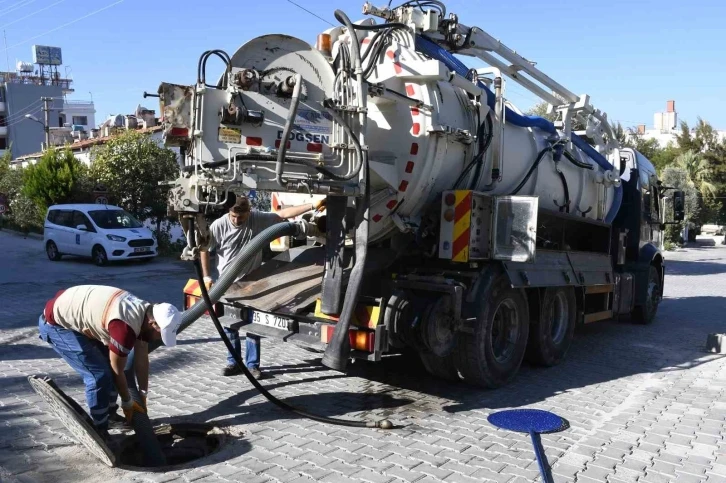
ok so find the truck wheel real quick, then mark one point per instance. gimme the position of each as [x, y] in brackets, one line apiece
[644, 314]
[491, 357]
[550, 334]
[441, 367]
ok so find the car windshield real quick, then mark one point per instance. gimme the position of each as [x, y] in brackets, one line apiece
[112, 219]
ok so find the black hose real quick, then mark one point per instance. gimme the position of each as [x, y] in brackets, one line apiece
[577, 163]
[566, 205]
[531, 170]
[383, 424]
[338, 350]
[380, 26]
[343, 18]
[480, 155]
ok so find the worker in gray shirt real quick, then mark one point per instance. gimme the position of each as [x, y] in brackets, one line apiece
[228, 234]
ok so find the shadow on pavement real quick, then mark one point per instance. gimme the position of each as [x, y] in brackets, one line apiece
[17, 352]
[689, 268]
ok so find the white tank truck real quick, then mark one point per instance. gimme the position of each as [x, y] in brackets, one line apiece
[455, 226]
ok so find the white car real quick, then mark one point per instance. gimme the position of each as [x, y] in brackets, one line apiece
[103, 232]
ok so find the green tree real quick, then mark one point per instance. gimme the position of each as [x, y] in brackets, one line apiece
[5, 163]
[540, 110]
[678, 178]
[58, 177]
[698, 173]
[131, 166]
[665, 157]
[24, 213]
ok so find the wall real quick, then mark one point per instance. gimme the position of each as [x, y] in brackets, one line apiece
[26, 135]
[80, 108]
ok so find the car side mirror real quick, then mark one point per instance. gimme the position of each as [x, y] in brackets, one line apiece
[82, 227]
[678, 205]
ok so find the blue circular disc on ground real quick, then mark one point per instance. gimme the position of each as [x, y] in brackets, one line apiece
[526, 420]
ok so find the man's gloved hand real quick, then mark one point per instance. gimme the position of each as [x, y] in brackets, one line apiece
[319, 205]
[130, 407]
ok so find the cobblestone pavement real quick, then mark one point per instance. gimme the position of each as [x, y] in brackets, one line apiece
[645, 403]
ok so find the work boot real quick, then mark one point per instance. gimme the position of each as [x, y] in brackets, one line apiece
[231, 370]
[117, 421]
[255, 372]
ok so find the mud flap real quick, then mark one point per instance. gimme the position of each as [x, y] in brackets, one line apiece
[73, 417]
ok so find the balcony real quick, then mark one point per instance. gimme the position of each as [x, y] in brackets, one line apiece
[2, 106]
[3, 131]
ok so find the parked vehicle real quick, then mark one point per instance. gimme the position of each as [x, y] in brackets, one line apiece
[103, 232]
[454, 225]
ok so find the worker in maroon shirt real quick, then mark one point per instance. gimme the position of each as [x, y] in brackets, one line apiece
[95, 328]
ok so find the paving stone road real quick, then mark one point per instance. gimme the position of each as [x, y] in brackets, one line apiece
[645, 403]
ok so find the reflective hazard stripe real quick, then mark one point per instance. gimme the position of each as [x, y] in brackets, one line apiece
[119, 346]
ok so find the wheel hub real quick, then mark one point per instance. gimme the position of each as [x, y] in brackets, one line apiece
[439, 334]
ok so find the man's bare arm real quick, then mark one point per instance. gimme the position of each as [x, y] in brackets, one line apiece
[293, 211]
[141, 364]
[117, 369]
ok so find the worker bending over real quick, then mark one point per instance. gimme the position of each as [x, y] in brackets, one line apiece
[228, 235]
[95, 328]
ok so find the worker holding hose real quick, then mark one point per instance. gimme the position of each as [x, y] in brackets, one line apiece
[95, 328]
[228, 235]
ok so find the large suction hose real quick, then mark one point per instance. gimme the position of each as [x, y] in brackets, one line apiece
[383, 423]
[434, 51]
[225, 280]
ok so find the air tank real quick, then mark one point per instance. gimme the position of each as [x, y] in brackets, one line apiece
[421, 135]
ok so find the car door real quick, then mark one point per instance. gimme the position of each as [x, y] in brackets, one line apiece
[64, 236]
[82, 239]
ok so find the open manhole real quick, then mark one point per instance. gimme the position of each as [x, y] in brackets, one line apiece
[181, 443]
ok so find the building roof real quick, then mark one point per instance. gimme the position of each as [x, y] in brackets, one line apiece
[87, 143]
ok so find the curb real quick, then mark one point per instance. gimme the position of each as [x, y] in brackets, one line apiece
[18, 233]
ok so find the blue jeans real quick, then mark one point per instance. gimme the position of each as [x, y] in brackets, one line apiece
[252, 348]
[89, 358]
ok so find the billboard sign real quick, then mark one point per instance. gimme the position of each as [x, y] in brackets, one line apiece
[46, 55]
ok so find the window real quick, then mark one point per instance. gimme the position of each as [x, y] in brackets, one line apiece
[81, 219]
[52, 214]
[114, 219]
[80, 120]
[64, 218]
[3, 121]
[3, 143]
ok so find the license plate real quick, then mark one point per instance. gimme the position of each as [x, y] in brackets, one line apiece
[270, 320]
[142, 249]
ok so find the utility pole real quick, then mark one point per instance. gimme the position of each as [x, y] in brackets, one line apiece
[46, 126]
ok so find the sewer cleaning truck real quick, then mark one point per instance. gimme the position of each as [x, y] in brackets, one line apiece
[455, 226]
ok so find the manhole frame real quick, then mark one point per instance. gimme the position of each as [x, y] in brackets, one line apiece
[210, 429]
[73, 417]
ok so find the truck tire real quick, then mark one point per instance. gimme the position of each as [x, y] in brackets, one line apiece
[441, 367]
[492, 355]
[644, 314]
[551, 332]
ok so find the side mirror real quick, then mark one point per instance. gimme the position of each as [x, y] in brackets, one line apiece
[679, 210]
[82, 227]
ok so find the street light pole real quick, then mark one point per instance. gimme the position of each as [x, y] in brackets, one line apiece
[46, 126]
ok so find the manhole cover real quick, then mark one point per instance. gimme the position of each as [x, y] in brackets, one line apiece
[75, 419]
[181, 443]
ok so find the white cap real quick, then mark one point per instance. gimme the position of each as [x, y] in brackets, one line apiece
[168, 318]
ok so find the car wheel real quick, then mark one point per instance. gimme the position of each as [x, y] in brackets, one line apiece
[99, 256]
[52, 251]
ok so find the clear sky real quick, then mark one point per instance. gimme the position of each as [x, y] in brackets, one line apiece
[629, 56]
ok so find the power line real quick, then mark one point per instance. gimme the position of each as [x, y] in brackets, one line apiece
[67, 24]
[311, 13]
[31, 14]
[18, 5]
